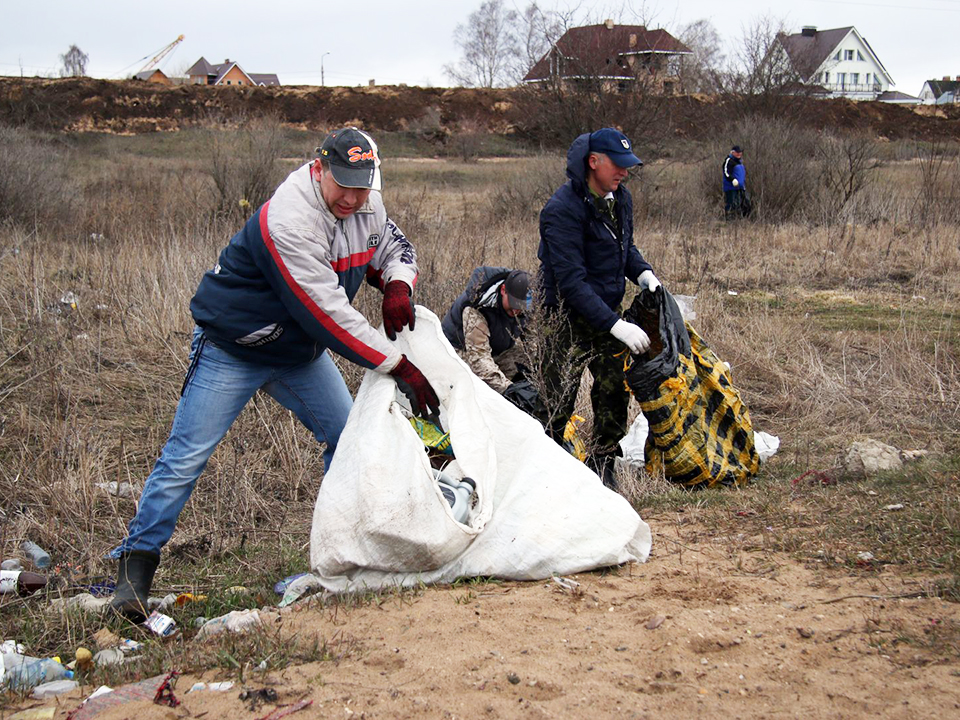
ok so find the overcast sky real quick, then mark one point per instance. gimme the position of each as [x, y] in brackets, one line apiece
[409, 41]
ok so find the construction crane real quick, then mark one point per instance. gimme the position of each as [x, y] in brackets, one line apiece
[162, 53]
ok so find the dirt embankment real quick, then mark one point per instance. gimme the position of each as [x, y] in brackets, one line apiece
[86, 104]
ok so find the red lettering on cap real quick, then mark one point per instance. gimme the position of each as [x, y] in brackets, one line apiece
[357, 153]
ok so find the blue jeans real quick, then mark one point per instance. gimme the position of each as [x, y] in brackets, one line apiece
[217, 387]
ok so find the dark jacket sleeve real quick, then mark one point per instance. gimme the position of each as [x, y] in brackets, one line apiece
[562, 231]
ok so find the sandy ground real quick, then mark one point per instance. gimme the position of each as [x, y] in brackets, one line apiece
[695, 632]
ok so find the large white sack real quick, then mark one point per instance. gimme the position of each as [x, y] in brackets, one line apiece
[380, 519]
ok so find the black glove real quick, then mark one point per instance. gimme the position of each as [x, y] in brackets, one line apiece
[412, 383]
[522, 394]
[397, 308]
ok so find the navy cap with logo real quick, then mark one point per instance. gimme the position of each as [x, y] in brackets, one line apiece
[353, 158]
[517, 286]
[615, 145]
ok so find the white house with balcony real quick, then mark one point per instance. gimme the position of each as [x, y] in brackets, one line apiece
[838, 62]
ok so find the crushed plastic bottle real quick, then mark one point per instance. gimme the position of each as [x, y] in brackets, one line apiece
[25, 672]
[52, 689]
[36, 554]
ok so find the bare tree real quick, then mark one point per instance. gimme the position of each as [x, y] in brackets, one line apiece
[699, 72]
[489, 43]
[74, 62]
[538, 30]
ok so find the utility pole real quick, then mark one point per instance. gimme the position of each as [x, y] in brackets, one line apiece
[321, 68]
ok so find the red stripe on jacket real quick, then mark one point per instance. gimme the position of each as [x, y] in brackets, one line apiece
[356, 260]
[355, 344]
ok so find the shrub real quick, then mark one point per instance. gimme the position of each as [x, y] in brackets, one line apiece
[245, 166]
[35, 184]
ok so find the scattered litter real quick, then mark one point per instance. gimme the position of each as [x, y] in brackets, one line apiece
[120, 490]
[69, 298]
[44, 713]
[199, 621]
[732, 292]
[865, 556]
[160, 625]
[83, 657]
[11, 564]
[129, 646]
[766, 445]
[212, 687]
[655, 622]
[237, 590]
[109, 656]
[893, 508]
[513, 678]
[307, 583]
[102, 589]
[256, 697]
[872, 493]
[84, 601]
[52, 689]
[165, 694]
[102, 690]
[104, 638]
[283, 712]
[184, 598]
[237, 621]
[281, 586]
[36, 554]
[566, 583]
[162, 604]
[685, 303]
[12, 646]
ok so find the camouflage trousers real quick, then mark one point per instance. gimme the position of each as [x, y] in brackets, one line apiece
[571, 345]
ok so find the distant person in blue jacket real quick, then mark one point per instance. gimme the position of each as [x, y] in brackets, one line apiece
[586, 255]
[735, 202]
[278, 299]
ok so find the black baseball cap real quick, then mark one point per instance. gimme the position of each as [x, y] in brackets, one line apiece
[353, 158]
[517, 286]
[736, 148]
[615, 145]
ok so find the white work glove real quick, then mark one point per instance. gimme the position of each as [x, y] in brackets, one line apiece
[648, 281]
[736, 183]
[631, 335]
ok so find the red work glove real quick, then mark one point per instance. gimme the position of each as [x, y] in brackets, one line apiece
[397, 308]
[412, 383]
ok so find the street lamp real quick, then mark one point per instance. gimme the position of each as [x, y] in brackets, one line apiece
[321, 68]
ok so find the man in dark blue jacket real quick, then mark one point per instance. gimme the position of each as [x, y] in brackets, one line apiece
[586, 254]
[734, 184]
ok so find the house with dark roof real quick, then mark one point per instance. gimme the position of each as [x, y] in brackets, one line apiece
[617, 55]
[941, 92]
[228, 72]
[838, 63]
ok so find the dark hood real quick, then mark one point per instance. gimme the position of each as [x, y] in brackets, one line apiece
[577, 162]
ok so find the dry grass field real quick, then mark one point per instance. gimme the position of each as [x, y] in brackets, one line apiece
[840, 322]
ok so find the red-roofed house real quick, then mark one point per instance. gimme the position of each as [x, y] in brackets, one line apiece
[618, 55]
[228, 72]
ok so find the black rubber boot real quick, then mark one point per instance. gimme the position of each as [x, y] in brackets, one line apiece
[605, 467]
[134, 578]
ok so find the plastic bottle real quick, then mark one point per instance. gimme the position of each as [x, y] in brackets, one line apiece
[21, 582]
[32, 671]
[457, 494]
[36, 554]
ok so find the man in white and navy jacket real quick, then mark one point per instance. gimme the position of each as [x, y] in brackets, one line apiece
[278, 298]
